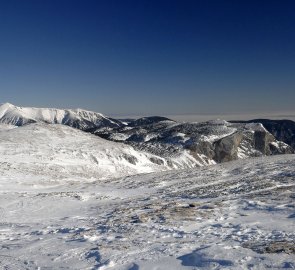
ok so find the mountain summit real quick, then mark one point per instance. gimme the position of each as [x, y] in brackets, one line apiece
[77, 118]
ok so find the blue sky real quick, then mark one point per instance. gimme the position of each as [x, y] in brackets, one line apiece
[149, 57]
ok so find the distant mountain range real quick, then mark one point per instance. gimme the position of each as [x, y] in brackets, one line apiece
[166, 141]
[81, 119]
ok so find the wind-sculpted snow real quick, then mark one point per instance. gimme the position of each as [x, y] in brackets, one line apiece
[234, 215]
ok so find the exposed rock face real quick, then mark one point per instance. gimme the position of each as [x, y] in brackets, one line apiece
[282, 130]
[207, 142]
[226, 149]
[202, 152]
[262, 140]
[204, 148]
[279, 148]
[258, 143]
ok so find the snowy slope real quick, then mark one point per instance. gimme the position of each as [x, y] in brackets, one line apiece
[82, 119]
[58, 151]
[235, 215]
[72, 200]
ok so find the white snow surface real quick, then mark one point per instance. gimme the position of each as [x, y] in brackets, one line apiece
[58, 151]
[11, 114]
[60, 208]
[255, 127]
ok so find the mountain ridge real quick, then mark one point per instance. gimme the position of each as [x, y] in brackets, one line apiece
[77, 118]
[283, 129]
[207, 143]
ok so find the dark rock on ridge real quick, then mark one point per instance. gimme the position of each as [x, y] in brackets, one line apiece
[283, 130]
[226, 149]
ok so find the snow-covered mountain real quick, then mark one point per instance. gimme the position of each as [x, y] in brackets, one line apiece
[61, 151]
[78, 118]
[209, 142]
[173, 143]
[71, 199]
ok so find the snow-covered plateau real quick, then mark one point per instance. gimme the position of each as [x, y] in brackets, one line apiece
[72, 200]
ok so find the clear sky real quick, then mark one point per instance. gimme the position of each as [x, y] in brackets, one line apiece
[149, 57]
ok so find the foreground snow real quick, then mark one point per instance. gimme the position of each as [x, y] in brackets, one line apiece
[237, 215]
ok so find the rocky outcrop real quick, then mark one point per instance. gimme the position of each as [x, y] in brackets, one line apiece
[207, 142]
[258, 143]
[226, 149]
[202, 148]
[262, 140]
[279, 148]
[282, 130]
